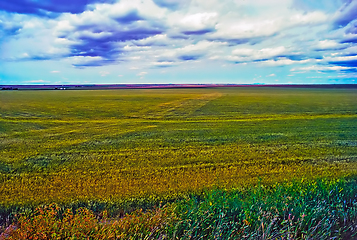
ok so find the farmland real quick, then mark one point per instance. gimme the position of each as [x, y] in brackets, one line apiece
[162, 144]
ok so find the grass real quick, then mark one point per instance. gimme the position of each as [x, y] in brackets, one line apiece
[121, 150]
[296, 210]
[322, 209]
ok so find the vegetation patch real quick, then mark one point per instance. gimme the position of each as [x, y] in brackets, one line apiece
[320, 209]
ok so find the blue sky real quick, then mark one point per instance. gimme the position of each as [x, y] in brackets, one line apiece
[178, 41]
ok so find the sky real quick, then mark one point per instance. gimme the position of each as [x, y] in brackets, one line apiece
[178, 41]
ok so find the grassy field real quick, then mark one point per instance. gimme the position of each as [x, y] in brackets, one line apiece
[162, 144]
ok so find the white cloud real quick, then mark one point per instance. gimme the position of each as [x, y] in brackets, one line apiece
[33, 41]
[341, 58]
[157, 40]
[278, 56]
[172, 56]
[255, 54]
[320, 68]
[163, 64]
[200, 47]
[134, 48]
[198, 22]
[37, 81]
[314, 77]
[84, 60]
[311, 18]
[104, 73]
[106, 14]
[330, 45]
[142, 74]
[326, 44]
[252, 29]
[245, 29]
[283, 62]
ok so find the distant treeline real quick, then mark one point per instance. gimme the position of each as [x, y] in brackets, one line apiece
[158, 86]
[9, 88]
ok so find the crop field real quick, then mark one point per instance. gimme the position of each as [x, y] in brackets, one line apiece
[68, 145]
[162, 144]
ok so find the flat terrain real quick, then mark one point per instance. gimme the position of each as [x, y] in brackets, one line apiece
[64, 146]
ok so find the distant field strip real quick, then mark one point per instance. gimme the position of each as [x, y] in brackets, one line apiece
[251, 119]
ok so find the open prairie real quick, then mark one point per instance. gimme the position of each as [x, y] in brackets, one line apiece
[65, 146]
[214, 163]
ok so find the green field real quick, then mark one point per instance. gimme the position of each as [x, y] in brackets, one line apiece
[117, 145]
[66, 145]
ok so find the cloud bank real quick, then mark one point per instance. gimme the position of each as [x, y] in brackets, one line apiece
[148, 35]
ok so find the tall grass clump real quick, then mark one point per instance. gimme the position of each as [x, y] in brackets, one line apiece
[49, 222]
[320, 209]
